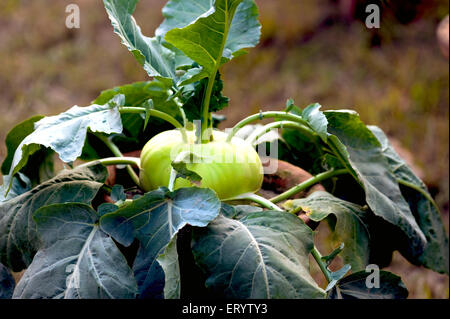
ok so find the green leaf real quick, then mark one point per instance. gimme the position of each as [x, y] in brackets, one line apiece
[193, 98]
[7, 283]
[348, 225]
[171, 267]
[77, 260]
[156, 59]
[354, 287]
[263, 255]
[423, 207]
[19, 240]
[15, 137]
[361, 152]
[155, 219]
[66, 133]
[220, 30]
[317, 120]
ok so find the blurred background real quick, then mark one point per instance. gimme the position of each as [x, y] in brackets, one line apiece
[396, 77]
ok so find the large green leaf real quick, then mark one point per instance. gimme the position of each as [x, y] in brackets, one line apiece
[66, 133]
[423, 207]
[360, 151]
[156, 59]
[155, 219]
[7, 283]
[349, 226]
[264, 255]
[77, 260]
[220, 31]
[354, 287]
[19, 240]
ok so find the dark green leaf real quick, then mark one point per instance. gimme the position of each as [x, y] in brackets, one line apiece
[193, 98]
[19, 240]
[354, 287]
[155, 219]
[349, 226]
[360, 151]
[7, 283]
[66, 133]
[156, 59]
[77, 260]
[423, 207]
[263, 255]
[15, 137]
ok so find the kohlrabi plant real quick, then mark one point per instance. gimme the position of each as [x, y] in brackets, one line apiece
[155, 201]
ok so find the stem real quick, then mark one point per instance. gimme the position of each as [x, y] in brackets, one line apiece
[206, 102]
[307, 184]
[114, 161]
[158, 114]
[212, 78]
[265, 115]
[257, 199]
[116, 151]
[322, 265]
[281, 124]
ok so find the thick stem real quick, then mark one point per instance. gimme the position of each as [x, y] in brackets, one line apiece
[252, 138]
[114, 161]
[322, 265]
[158, 114]
[206, 102]
[307, 184]
[257, 199]
[115, 150]
[265, 115]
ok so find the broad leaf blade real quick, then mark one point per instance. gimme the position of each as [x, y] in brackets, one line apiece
[19, 239]
[360, 151]
[263, 255]
[354, 287]
[436, 254]
[217, 33]
[349, 227]
[77, 261]
[155, 219]
[156, 59]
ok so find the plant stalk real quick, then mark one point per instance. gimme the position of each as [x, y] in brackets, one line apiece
[257, 199]
[307, 184]
[265, 115]
[114, 161]
[158, 114]
[252, 138]
[116, 151]
[322, 265]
